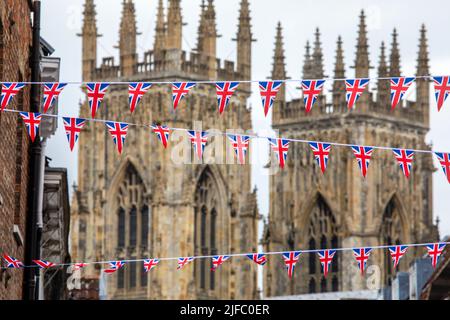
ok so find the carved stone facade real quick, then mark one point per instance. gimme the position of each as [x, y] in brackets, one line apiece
[311, 210]
[142, 204]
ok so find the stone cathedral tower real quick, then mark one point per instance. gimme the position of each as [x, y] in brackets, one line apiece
[143, 203]
[311, 210]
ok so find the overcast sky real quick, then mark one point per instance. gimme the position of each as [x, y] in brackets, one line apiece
[62, 21]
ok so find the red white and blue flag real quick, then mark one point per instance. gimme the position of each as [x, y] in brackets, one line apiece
[114, 266]
[179, 90]
[136, 91]
[32, 121]
[9, 91]
[149, 264]
[44, 264]
[163, 134]
[354, 88]
[441, 90]
[363, 156]
[182, 262]
[259, 258]
[268, 91]
[405, 159]
[240, 146]
[12, 262]
[397, 252]
[311, 90]
[96, 92]
[321, 153]
[199, 140]
[399, 86]
[217, 261]
[118, 131]
[326, 257]
[224, 92]
[361, 256]
[290, 259]
[434, 251]
[51, 93]
[444, 160]
[73, 128]
[280, 147]
[79, 266]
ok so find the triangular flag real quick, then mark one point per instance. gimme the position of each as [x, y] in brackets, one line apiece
[96, 92]
[73, 128]
[44, 264]
[441, 89]
[434, 251]
[361, 256]
[363, 156]
[290, 259]
[32, 121]
[268, 91]
[311, 90]
[397, 252]
[149, 264]
[444, 160]
[354, 88]
[399, 86]
[326, 257]
[51, 93]
[240, 146]
[321, 153]
[280, 147]
[179, 90]
[218, 261]
[114, 266]
[9, 91]
[118, 131]
[163, 134]
[199, 140]
[136, 91]
[258, 258]
[182, 262]
[224, 92]
[404, 158]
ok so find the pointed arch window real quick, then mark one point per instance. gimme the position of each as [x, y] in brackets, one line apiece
[121, 228]
[144, 225]
[322, 234]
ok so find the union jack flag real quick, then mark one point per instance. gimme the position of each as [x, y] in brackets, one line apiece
[311, 90]
[136, 91]
[354, 88]
[259, 258]
[434, 251]
[51, 93]
[224, 92]
[444, 160]
[361, 256]
[32, 121]
[405, 159]
[118, 131]
[199, 140]
[363, 156]
[397, 252]
[73, 128]
[290, 259]
[240, 146]
[179, 90]
[326, 257]
[9, 91]
[184, 261]
[96, 92]
[217, 261]
[114, 266]
[44, 264]
[163, 134]
[12, 262]
[321, 152]
[399, 86]
[442, 89]
[149, 264]
[79, 266]
[280, 147]
[268, 91]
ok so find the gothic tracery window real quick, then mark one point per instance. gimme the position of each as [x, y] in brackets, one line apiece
[132, 225]
[207, 214]
[322, 234]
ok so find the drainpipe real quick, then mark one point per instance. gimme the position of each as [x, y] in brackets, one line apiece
[32, 245]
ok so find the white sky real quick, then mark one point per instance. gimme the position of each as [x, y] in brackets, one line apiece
[62, 21]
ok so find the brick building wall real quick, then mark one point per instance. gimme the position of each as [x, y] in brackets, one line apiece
[15, 47]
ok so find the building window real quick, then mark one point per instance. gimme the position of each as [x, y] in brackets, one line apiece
[144, 278]
[120, 279]
[132, 273]
[206, 240]
[121, 228]
[144, 226]
[322, 233]
[133, 224]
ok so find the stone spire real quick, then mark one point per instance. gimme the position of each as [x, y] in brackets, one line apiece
[174, 25]
[383, 84]
[279, 73]
[209, 42]
[201, 27]
[89, 36]
[394, 61]
[160, 29]
[307, 63]
[339, 73]
[422, 84]
[362, 64]
[317, 57]
[244, 39]
[127, 39]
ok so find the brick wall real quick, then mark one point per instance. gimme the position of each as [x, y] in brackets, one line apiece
[15, 44]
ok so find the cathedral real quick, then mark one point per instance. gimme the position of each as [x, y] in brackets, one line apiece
[311, 210]
[143, 204]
